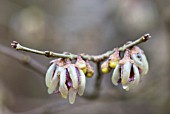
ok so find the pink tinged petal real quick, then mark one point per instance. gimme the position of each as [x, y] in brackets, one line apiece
[72, 95]
[49, 74]
[73, 76]
[137, 60]
[63, 88]
[55, 81]
[116, 75]
[145, 65]
[82, 83]
[125, 74]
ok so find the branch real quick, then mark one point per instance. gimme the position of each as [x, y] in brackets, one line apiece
[95, 58]
[24, 59]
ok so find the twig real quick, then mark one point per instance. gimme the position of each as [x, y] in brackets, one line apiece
[24, 59]
[95, 58]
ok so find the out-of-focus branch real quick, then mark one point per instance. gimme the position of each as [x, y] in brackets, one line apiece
[24, 59]
[95, 58]
[97, 85]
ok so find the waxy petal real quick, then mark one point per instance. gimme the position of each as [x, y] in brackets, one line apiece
[72, 95]
[116, 75]
[135, 82]
[55, 80]
[63, 88]
[125, 73]
[49, 74]
[145, 65]
[82, 83]
[73, 76]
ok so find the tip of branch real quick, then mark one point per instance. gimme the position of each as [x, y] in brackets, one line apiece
[146, 37]
[14, 44]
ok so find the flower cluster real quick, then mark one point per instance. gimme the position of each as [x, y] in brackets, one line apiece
[68, 79]
[129, 69]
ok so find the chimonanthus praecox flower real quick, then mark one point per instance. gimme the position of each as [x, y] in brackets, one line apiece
[65, 78]
[129, 69]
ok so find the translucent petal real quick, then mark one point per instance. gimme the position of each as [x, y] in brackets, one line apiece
[72, 95]
[116, 75]
[63, 88]
[135, 82]
[82, 83]
[55, 80]
[49, 74]
[137, 60]
[145, 65]
[136, 77]
[126, 73]
[73, 76]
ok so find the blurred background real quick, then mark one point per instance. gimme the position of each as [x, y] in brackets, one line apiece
[83, 26]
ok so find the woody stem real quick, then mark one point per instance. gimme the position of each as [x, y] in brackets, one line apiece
[94, 58]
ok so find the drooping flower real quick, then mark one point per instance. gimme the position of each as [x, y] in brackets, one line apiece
[66, 79]
[126, 72]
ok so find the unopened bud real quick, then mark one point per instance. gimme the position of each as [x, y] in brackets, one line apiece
[105, 67]
[81, 64]
[90, 70]
[114, 58]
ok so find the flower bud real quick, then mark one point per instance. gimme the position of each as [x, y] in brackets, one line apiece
[81, 64]
[113, 64]
[105, 67]
[114, 58]
[90, 70]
